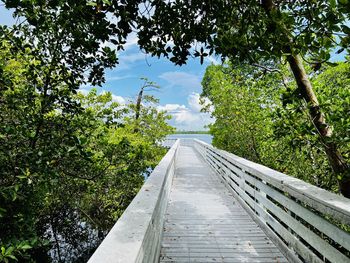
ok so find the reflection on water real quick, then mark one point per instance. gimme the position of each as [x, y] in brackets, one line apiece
[203, 137]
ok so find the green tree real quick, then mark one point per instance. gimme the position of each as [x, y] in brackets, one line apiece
[256, 31]
[273, 128]
[71, 164]
[68, 170]
[249, 30]
[239, 108]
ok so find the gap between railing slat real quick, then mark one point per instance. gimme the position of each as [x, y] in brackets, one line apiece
[271, 195]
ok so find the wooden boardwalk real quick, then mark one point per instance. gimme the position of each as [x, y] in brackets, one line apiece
[186, 212]
[204, 223]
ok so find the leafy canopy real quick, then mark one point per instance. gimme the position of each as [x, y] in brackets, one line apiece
[71, 163]
[273, 128]
[178, 29]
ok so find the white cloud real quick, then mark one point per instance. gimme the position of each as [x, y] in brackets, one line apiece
[133, 57]
[188, 117]
[111, 78]
[118, 99]
[182, 79]
[194, 102]
[172, 107]
[127, 59]
[131, 40]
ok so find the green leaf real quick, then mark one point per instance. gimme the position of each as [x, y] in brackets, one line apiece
[91, 3]
[345, 29]
[26, 246]
[333, 3]
[9, 250]
[12, 257]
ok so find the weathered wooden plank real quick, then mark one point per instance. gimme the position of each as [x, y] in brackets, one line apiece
[223, 260]
[234, 171]
[265, 218]
[314, 240]
[213, 233]
[219, 240]
[316, 221]
[210, 224]
[319, 199]
[324, 226]
[218, 253]
[196, 252]
[322, 246]
[204, 219]
[238, 246]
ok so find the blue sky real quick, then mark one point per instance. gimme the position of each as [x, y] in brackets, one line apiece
[180, 86]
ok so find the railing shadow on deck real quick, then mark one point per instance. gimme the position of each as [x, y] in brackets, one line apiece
[299, 217]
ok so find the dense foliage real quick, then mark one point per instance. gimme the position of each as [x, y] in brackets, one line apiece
[259, 117]
[263, 31]
[240, 28]
[70, 163]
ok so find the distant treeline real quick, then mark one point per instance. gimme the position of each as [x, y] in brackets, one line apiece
[191, 132]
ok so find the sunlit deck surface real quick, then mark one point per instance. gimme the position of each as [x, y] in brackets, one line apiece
[203, 204]
[204, 223]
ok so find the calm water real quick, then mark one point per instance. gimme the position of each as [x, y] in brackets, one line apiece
[203, 137]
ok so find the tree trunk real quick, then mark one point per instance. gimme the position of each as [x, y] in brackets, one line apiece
[337, 162]
[138, 104]
[138, 108]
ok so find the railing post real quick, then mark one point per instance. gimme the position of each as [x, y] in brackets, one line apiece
[287, 208]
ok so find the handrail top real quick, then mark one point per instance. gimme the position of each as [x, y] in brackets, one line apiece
[313, 196]
[123, 242]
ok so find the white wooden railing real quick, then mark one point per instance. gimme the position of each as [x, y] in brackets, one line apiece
[300, 218]
[137, 234]
[168, 142]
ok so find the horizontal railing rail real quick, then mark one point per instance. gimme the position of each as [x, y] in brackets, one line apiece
[168, 142]
[306, 222]
[137, 234]
[187, 142]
